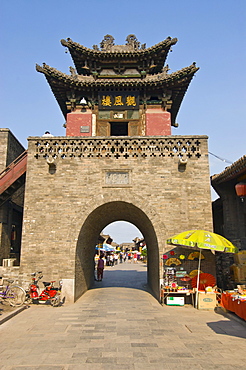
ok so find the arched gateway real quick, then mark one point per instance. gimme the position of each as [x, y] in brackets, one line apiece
[118, 161]
[101, 217]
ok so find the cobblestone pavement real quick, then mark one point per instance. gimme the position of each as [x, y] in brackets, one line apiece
[119, 325]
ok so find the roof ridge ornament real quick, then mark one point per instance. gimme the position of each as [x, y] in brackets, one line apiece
[133, 43]
[165, 69]
[73, 72]
[107, 43]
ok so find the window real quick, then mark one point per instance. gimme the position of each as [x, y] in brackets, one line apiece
[118, 128]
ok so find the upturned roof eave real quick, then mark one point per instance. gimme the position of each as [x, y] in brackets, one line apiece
[60, 83]
[157, 80]
[75, 49]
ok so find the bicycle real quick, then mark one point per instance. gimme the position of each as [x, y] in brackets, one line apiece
[15, 295]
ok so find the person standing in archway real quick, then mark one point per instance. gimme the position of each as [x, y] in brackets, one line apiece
[111, 260]
[100, 268]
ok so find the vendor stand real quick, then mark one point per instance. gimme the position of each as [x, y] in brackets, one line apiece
[200, 240]
[235, 301]
[178, 297]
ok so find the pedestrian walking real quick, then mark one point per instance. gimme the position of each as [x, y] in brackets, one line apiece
[107, 260]
[130, 257]
[111, 260]
[100, 268]
[121, 257]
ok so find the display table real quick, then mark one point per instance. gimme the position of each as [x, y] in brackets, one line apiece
[180, 293]
[230, 303]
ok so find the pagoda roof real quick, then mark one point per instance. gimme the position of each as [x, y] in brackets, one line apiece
[175, 83]
[132, 51]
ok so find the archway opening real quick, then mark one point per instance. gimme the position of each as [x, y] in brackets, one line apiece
[88, 238]
[124, 255]
[122, 232]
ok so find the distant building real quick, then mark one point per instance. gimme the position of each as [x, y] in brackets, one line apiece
[139, 243]
[229, 210]
[127, 247]
[229, 218]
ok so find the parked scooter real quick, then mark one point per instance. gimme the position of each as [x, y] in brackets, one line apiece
[49, 294]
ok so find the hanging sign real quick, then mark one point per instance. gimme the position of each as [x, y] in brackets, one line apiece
[120, 100]
[181, 273]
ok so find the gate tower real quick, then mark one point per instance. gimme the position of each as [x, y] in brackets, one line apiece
[119, 90]
[118, 161]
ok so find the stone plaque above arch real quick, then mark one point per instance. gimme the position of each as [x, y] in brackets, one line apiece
[117, 178]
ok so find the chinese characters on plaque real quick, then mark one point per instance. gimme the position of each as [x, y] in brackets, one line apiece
[117, 178]
[118, 100]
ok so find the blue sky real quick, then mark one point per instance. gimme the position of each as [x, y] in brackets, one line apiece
[211, 33]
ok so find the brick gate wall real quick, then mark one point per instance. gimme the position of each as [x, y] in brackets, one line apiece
[10, 148]
[167, 178]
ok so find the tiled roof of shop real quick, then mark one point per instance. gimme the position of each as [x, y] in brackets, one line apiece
[236, 170]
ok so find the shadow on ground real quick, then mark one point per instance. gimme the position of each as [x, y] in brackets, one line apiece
[124, 276]
[6, 308]
[231, 328]
[124, 279]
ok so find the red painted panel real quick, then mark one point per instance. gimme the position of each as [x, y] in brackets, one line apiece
[158, 122]
[77, 122]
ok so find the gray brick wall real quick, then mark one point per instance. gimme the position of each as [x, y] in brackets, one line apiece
[70, 201]
[10, 148]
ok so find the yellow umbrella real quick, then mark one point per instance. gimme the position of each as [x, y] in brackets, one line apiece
[202, 239]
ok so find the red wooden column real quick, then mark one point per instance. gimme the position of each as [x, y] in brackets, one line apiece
[158, 122]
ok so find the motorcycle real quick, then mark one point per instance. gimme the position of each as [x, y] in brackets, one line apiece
[48, 294]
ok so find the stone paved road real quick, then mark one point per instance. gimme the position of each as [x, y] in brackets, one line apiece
[119, 325]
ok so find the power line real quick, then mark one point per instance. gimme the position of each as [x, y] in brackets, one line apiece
[222, 159]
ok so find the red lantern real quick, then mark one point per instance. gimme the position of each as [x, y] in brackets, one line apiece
[240, 189]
